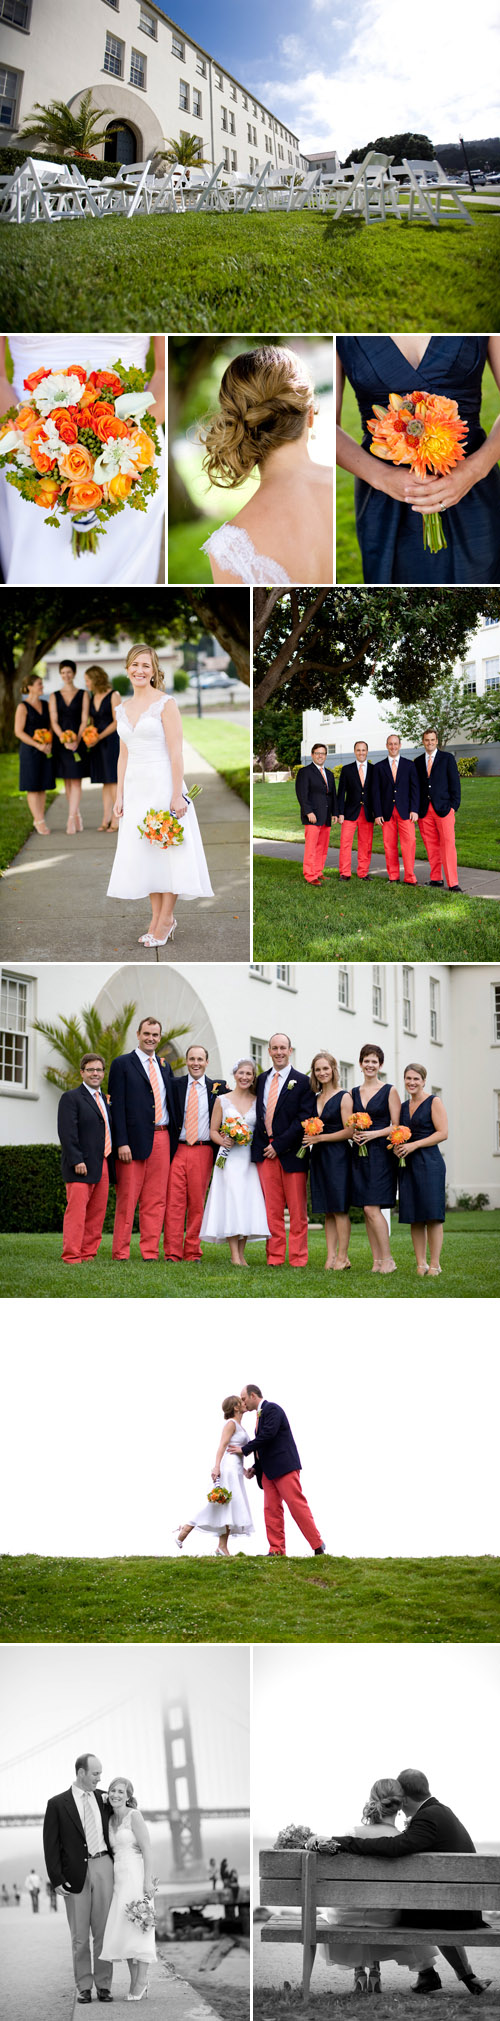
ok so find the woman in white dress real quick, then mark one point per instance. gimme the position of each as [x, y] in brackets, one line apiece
[379, 1818]
[150, 775]
[235, 1209]
[132, 1882]
[226, 1519]
[285, 532]
[129, 551]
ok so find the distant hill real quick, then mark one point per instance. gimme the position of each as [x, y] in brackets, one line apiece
[484, 154]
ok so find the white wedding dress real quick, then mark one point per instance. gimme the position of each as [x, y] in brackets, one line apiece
[416, 1955]
[33, 553]
[234, 1515]
[123, 1939]
[141, 867]
[234, 551]
[235, 1204]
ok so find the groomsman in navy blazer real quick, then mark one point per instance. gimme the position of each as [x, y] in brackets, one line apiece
[315, 789]
[277, 1468]
[440, 795]
[396, 804]
[355, 811]
[193, 1098]
[140, 1087]
[284, 1100]
[84, 1129]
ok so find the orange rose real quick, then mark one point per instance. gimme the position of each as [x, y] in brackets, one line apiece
[97, 415]
[119, 486]
[76, 466]
[88, 397]
[139, 440]
[103, 380]
[83, 497]
[48, 492]
[26, 419]
[35, 377]
[66, 426]
[74, 372]
[38, 454]
[113, 429]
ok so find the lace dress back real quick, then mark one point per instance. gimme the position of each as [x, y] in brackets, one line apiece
[234, 551]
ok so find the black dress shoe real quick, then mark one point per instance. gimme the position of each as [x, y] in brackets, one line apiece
[456, 887]
[103, 1993]
[343, 878]
[84, 1997]
[319, 1550]
[428, 1981]
[436, 883]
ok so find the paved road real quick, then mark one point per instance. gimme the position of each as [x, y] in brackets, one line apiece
[53, 903]
[477, 883]
[37, 1976]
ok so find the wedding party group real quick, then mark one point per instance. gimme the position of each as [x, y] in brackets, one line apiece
[98, 1856]
[396, 794]
[205, 1162]
[276, 1467]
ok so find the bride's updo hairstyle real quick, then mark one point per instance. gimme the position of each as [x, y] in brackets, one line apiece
[230, 1404]
[265, 397]
[131, 1799]
[157, 678]
[247, 1063]
[333, 1064]
[385, 1799]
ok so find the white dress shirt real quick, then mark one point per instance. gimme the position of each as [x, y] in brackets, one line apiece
[78, 1796]
[145, 1060]
[282, 1073]
[432, 755]
[393, 761]
[203, 1110]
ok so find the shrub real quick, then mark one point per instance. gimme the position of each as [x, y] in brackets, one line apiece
[467, 767]
[181, 681]
[13, 157]
[121, 683]
[471, 1203]
[32, 1191]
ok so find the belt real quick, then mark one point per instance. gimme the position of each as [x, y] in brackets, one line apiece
[161, 1126]
[100, 1856]
[195, 1146]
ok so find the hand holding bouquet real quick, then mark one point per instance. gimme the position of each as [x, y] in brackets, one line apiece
[313, 1127]
[424, 430]
[162, 826]
[142, 1912]
[235, 1133]
[356, 1123]
[398, 1137]
[90, 736]
[44, 739]
[83, 442]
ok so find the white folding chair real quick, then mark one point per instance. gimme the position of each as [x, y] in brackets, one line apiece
[371, 190]
[14, 190]
[306, 193]
[56, 191]
[429, 188]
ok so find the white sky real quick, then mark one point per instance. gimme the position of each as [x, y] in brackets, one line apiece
[351, 73]
[121, 1419]
[328, 1723]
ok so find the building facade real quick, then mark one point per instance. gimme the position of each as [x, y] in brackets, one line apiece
[145, 72]
[480, 673]
[448, 1017]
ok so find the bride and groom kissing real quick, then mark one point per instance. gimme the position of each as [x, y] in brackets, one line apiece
[98, 1855]
[276, 1467]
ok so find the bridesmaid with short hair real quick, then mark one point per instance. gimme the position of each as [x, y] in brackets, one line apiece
[329, 1169]
[69, 714]
[422, 1177]
[373, 1176]
[36, 764]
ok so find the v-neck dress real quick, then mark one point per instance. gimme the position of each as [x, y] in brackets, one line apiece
[139, 866]
[330, 1164]
[36, 772]
[422, 1181]
[374, 1178]
[389, 533]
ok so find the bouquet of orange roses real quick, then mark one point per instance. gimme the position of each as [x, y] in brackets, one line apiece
[90, 736]
[399, 1135]
[313, 1127]
[44, 739]
[236, 1133]
[219, 1494]
[160, 825]
[424, 430]
[84, 443]
[360, 1122]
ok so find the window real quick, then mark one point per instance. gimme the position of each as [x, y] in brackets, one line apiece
[113, 3]
[224, 119]
[232, 123]
[254, 107]
[491, 621]
[183, 95]
[497, 1119]
[113, 56]
[254, 130]
[408, 999]
[492, 672]
[10, 81]
[258, 1049]
[232, 91]
[201, 66]
[14, 1040]
[249, 133]
[219, 79]
[147, 23]
[234, 158]
[285, 975]
[496, 1014]
[138, 69]
[434, 1008]
[281, 156]
[378, 993]
[16, 12]
[346, 1071]
[225, 153]
[179, 48]
[197, 105]
[344, 989]
[244, 101]
[263, 118]
[290, 158]
[257, 968]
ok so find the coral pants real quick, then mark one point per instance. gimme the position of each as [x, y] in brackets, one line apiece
[438, 837]
[315, 851]
[145, 1181]
[284, 1189]
[406, 832]
[190, 1174]
[84, 1217]
[365, 840]
[287, 1489]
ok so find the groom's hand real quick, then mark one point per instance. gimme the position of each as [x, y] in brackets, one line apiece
[81, 1168]
[312, 817]
[269, 1153]
[125, 1154]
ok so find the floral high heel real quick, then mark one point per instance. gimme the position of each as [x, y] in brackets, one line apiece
[168, 936]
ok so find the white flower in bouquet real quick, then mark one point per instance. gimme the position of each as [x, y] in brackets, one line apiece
[117, 456]
[59, 389]
[132, 406]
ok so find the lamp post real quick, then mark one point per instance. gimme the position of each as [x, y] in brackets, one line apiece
[462, 144]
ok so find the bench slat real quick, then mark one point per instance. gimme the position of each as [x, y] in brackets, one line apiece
[391, 1893]
[345, 1866]
[284, 1933]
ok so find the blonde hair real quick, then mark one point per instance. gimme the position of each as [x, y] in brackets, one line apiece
[230, 1404]
[157, 678]
[265, 396]
[128, 1785]
[99, 679]
[323, 1055]
[385, 1796]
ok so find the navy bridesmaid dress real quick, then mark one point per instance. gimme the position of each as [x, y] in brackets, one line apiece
[422, 1182]
[389, 533]
[374, 1179]
[36, 772]
[104, 757]
[69, 716]
[329, 1169]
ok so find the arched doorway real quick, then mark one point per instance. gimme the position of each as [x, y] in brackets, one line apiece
[120, 143]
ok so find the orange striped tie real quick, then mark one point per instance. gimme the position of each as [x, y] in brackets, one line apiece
[107, 1132]
[153, 1075]
[192, 1115]
[271, 1103]
[429, 767]
[394, 769]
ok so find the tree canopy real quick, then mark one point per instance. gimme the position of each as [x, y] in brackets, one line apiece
[415, 146]
[319, 648]
[447, 711]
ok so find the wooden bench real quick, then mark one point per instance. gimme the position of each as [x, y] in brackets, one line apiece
[311, 1882]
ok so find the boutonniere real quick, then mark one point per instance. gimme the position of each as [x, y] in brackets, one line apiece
[291, 1084]
[215, 1086]
[163, 1062]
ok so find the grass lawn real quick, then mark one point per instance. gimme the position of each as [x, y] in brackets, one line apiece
[270, 2002]
[276, 817]
[192, 1600]
[226, 745]
[349, 567]
[392, 922]
[30, 1267]
[15, 818]
[256, 272]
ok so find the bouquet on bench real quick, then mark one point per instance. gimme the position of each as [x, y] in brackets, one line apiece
[82, 442]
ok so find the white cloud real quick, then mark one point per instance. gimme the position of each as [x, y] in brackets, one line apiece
[292, 48]
[438, 81]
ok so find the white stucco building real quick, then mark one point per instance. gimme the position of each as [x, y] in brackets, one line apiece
[447, 1017]
[480, 671]
[152, 79]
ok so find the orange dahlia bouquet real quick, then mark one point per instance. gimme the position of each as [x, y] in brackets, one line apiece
[399, 1134]
[360, 1122]
[313, 1127]
[426, 431]
[82, 446]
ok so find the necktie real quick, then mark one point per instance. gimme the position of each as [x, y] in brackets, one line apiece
[192, 1116]
[153, 1075]
[394, 767]
[323, 774]
[361, 771]
[89, 1826]
[271, 1103]
[429, 767]
[107, 1133]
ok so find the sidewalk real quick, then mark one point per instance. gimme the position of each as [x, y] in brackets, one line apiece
[476, 883]
[37, 1975]
[53, 904]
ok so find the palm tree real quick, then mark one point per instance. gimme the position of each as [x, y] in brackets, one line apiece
[183, 153]
[63, 131]
[72, 1037]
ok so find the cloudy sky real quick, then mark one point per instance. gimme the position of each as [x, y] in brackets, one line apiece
[343, 73]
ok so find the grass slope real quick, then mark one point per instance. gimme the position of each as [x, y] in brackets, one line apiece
[30, 1267]
[349, 567]
[294, 921]
[226, 745]
[294, 1599]
[260, 272]
[276, 816]
[15, 818]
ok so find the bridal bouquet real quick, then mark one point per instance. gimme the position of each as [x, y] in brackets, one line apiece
[83, 442]
[220, 1495]
[313, 1127]
[399, 1135]
[360, 1122]
[142, 1912]
[236, 1133]
[424, 430]
[44, 739]
[159, 825]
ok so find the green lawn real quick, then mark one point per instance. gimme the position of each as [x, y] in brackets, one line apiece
[292, 921]
[198, 1600]
[15, 818]
[30, 1267]
[255, 272]
[348, 555]
[276, 817]
[271, 2002]
[226, 745]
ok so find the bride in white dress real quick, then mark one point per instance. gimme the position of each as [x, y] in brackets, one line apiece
[379, 1816]
[150, 776]
[129, 551]
[132, 1881]
[226, 1519]
[285, 532]
[235, 1208]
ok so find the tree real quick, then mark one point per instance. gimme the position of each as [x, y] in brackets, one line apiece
[66, 132]
[188, 359]
[415, 146]
[183, 153]
[447, 711]
[322, 646]
[75, 1036]
[277, 728]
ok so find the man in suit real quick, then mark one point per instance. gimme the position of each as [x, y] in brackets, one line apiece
[277, 1470]
[140, 1088]
[284, 1099]
[79, 1862]
[431, 1828]
[395, 804]
[355, 811]
[193, 1154]
[315, 789]
[440, 796]
[85, 1137]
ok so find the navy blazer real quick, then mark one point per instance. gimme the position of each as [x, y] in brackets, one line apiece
[132, 1103]
[441, 788]
[80, 1128]
[314, 797]
[178, 1103]
[402, 794]
[274, 1445]
[64, 1841]
[352, 795]
[433, 1829]
[295, 1102]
